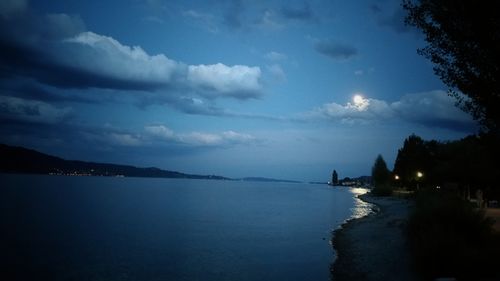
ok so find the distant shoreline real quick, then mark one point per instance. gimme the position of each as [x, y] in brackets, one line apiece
[374, 247]
[20, 160]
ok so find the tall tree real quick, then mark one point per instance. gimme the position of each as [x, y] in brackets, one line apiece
[380, 173]
[463, 39]
[411, 158]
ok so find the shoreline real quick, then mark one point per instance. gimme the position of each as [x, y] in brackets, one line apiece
[374, 247]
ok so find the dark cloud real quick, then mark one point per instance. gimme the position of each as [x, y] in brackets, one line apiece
[233, 15]
[34, 135]
[392, 15]
[205, 20]
[434, 109]
[27, 50]
[26, 110]
[375, 8]
[302, 13]
[201, 106]
[336, 51]
[66, 65]
[112, 144]
[9, 8]
[29, 89]
[396, 21]
[56, 50]
[197, 106]
[71, 141]
[238, 15]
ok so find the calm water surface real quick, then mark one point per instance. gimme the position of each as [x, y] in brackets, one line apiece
[98, 228]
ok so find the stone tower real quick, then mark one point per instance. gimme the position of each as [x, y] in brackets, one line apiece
[335, 178]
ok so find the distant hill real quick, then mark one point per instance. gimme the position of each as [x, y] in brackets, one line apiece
[14, 159]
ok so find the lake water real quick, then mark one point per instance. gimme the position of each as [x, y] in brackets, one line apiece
[102, 228]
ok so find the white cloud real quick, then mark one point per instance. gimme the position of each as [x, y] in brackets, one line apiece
[124, 139]
[56, 50]
[277, 72]
[208, 139]
[237, 81]
[109, 57]
[32, 110]
[367, 71]
[365, 110]
[359, 72]
[201, 139]
[235, 137]
[207, 21]
[111, 136]
[431, 109]
[275, 56]
[164, 134]
[160, 131]
[268, 21]
[154, 19]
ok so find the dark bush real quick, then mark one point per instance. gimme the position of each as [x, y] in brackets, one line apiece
[382, 190]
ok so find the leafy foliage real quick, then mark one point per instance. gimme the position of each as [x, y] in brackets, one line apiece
[463, 42]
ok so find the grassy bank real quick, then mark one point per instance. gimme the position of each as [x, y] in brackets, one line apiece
[450, 238]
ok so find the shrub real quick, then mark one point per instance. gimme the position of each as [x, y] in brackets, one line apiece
[382, 190]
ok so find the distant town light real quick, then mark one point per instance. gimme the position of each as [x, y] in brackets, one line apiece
[396, 177]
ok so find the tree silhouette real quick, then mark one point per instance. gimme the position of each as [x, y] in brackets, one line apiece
[416, 155]
[380, 173]
[469, 162]
[463, 41]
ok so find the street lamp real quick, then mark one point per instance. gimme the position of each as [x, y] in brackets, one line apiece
[396, 181]
[419, 176]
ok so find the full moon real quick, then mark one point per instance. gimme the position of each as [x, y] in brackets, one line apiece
[358, 100]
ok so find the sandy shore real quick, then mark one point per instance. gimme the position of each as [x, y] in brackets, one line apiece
[374, 247]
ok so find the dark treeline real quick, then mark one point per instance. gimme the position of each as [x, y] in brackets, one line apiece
[447, 230]
[449, 235]
[466, 165]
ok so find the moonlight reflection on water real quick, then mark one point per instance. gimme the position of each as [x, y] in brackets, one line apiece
[361, 208]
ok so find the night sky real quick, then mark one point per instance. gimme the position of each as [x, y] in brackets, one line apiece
[282, 89]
